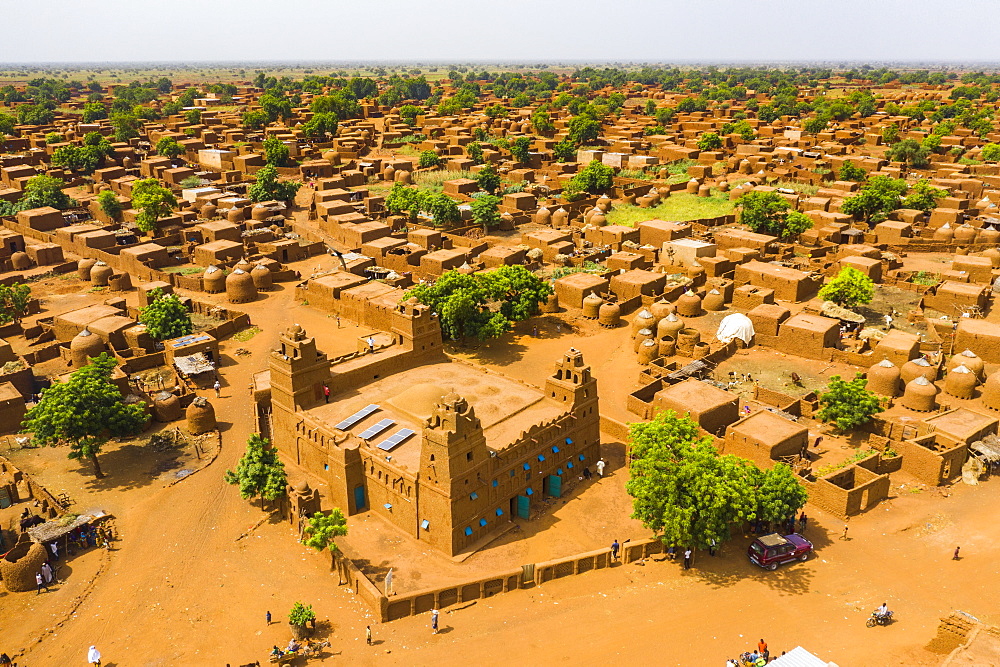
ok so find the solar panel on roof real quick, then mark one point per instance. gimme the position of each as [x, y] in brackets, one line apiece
[375, 429]
[395, 439]
[357, 416]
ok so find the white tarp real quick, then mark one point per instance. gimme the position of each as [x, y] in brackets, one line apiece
[799, 657]
[733, 326]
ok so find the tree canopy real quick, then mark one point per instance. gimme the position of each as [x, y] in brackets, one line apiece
[488, 179]
[153, 201]
[14, 300]
[321, 529]
[166, 317]
[486, 210]
[923, 196]
[849, 288]
[689, 495]
[909, 152]
[43, 190]
[709, 141]
[84, 412]
[259, 471]
[276, 152]
[109, 204]
[770, 213]
[268, 187]
[848, 404]
[483, 305]
[879, 196]
[594, 178]
[168, 146]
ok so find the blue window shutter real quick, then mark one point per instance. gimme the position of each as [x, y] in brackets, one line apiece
[499, 512]
[473, 496]
[468, 530]
[555, 450]
[541, 457]
[482, 522]
[529, 491]
[425, 524]
[495, 483]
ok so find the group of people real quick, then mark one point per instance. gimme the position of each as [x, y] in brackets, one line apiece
[755, 657]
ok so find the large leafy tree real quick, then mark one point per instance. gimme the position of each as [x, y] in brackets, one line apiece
[848, 404]
[166, 317]
[321, 529]
[268, 187]
[259, 471]
[126, 125]
[443, 209]
[877, 198]
[109, 204]
[770, 213]
[689, 495]
[709, 141]
[403, 199]
[520, 148]
[254, 120]
[84, 412]
[923, 196]
[483, 305]
[488, 179]
[849, 288]
[486, 211]
[153, 201]
[909, 152]
[14, 300]
[319, 126]
[583, 130]
[45, 190]
[276, 152]
[595, 177]
[168, 147]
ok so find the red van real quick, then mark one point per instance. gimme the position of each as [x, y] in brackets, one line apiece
[772, 550]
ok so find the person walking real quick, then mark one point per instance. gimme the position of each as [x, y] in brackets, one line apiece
[368, 635]
[40, 584]
[54, 548]
[326, 393]
[94, 656]
[687, 558]
[47, 572]
[267, 617]
[803, 520]
[956, 556]
[218, 389]
[711, 547]
[600, 468]
[434, 621]
[844, 536]
[614, 549]
[762, 649]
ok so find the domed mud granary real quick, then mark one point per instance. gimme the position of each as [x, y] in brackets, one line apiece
[960, 382]
[20, 565]
[84, 267]
[644, 320]
[84, 346]
[262, 278]
[213, 280]
[20, 261]
[166, 407]
[920, 394]
[100, 274]
[669, 326]
[200, 416]
[648, 351]
[969, 359]
[689, 305]
[592, 306]
[240, 287]
[609, 315]
[915, 367]
[714, 301]
[991, 391]
[883, 378]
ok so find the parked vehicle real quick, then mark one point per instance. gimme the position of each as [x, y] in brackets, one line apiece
[772, 550]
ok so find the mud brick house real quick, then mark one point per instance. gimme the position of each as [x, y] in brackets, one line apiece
[572, 289]
[811, 336]
[442, 451]
[788, 284]
[980, 336]
[714, 409]
[764, 437]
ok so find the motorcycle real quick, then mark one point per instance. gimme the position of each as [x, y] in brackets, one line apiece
[879, 619]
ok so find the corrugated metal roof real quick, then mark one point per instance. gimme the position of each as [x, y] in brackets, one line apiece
[799, 657]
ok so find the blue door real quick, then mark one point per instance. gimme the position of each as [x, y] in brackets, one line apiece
[523, 505]
[555, 486]
[359, 499]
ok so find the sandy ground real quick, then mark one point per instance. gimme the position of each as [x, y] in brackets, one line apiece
[197, 568]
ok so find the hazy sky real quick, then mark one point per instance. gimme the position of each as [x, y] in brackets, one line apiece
[509, 30]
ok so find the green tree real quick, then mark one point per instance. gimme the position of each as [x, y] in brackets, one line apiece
[45, 190]
[319, 126]
[488, 179]
[689, 495]
[909, 152]
[583, 130]
[109, 204]
[403, 199]
[850, 172]
[168, 147]
[268, 187]
[879, 196]
[126, 125]
[84, 412]
[34, 114]
[14, 300]
[53, 138]
[408, 114]
[190, 182]
[94, 111]
[153, 202]
[542, 121]
[848, 404]
[166, 317]
[475, 152]
[593, 178]
[193, 116]
[470, 305]
[254, 120]
[7, 123]
[849, 288]
[795, 223]
[276, 152]
[890, 134]
[564, 151]
[429, 159]
[764, 212]
[520, 148]
[442, 208]
[301, 614]
[814, 125]
[259, 471]
[321, 529]
[990, 153]
[85, 159]
[923, 196]
[709, 141]
[486, 211]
